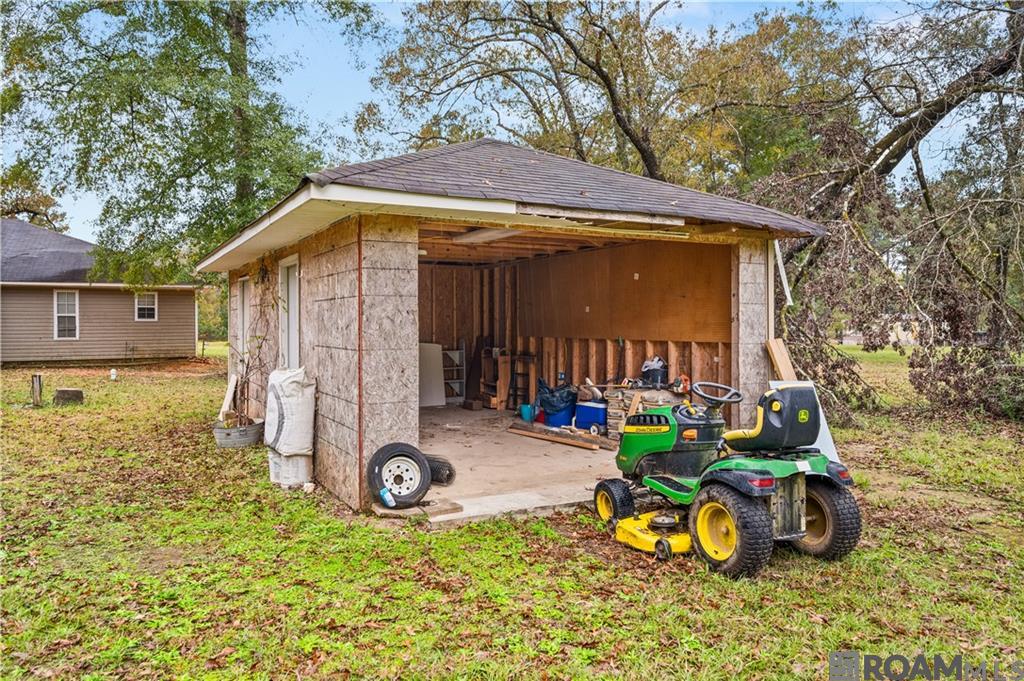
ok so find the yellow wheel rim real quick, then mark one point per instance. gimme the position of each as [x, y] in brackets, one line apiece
[817, 521]
[716, 530]
[603, 501]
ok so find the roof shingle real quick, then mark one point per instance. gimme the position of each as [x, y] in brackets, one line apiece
[34, 254]
[489, 168]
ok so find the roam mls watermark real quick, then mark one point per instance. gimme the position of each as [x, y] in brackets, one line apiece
[850, 665]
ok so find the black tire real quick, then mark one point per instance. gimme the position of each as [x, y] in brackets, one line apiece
[613, 500]
[403, 469]
[726, 513]
[833, 521]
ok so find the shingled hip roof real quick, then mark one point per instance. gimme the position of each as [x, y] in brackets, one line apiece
[490, 169]
[35, 254]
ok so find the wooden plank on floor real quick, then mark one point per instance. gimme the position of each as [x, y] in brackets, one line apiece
[554, 436]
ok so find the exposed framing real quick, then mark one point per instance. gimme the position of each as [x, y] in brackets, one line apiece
[156, 306]
[78, 329]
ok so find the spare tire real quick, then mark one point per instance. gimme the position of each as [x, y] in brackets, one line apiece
[403, 470]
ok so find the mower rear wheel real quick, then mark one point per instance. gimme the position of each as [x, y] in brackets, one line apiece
[613, 500]
[730, 531]
[833, 521]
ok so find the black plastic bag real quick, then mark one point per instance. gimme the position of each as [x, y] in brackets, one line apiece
[554, 400]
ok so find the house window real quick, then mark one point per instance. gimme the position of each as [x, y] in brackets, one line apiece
[65, 315]
[145, 307]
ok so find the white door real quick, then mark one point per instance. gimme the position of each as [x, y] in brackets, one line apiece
[290, 315]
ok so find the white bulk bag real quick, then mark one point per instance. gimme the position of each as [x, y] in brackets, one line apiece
[291, 402]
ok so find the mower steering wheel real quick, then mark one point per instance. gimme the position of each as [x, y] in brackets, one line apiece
[731, 396]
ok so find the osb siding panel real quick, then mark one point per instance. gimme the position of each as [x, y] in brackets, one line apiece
[329, 322]
[328, 267]
[654, 291]
[107, 326]
[752, 309]
[390, 342]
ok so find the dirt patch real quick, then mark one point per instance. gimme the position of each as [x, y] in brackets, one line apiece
[192, 366]
[893, 499]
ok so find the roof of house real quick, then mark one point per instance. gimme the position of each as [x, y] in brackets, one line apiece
[490, 169]
[35, 254]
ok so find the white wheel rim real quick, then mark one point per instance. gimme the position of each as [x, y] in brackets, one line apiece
[401, 475]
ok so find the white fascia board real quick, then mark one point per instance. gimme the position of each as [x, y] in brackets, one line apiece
[349, 200]
[277, 212]
[385, 198]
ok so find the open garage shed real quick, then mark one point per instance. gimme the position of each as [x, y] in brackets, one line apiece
[570, 267]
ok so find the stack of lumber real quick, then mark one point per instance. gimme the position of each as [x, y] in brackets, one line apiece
[623, 402]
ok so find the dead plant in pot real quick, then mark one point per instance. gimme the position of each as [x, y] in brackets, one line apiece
[236, 425]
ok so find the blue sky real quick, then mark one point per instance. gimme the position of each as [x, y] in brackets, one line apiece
[326, 84]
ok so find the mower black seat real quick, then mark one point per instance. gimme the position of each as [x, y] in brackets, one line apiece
[787, 418]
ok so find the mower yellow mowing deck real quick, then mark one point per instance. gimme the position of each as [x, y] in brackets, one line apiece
[636, 532]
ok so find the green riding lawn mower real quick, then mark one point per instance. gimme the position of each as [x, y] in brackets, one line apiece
[731, 495]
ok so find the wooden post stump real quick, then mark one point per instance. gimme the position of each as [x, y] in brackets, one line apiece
[62, 396]
[37, 390]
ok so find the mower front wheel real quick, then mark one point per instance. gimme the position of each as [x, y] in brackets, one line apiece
[613, 500]
[730, 531]
[833, 521]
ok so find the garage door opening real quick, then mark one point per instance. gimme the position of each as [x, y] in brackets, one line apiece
[499, 309]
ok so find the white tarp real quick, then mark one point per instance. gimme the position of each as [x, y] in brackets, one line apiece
[291, 404]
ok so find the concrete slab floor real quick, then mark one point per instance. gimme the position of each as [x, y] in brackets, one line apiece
[498, 472]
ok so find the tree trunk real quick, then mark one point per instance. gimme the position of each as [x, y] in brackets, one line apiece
[237, 24]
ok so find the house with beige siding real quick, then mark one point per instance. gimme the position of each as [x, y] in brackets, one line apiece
[51, 312]
[568, 268]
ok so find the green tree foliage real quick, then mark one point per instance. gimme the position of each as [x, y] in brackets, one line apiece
[617, 84]
[23, 197]
[166, 110]
[213, 311]
[808, 111]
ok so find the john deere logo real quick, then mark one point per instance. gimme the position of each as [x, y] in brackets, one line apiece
[803, 416]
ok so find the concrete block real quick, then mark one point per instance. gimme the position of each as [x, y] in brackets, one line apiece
[63, 396]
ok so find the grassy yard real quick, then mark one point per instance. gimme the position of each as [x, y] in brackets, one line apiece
[134, 548]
